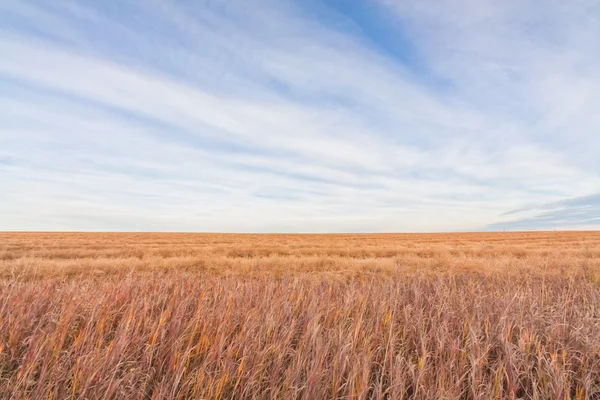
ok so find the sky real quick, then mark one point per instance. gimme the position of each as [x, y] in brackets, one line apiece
[299, 116]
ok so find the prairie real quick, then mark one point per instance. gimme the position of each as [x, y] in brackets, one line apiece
[419, 316]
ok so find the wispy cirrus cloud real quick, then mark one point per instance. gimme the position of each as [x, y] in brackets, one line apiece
[292, 116]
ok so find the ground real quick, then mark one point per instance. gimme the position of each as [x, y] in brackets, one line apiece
[147, 315]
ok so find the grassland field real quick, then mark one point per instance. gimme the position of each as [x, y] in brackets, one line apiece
[381, 316]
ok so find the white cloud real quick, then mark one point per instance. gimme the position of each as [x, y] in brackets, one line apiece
[207, 119]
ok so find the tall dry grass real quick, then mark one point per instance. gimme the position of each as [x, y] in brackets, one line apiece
[142, 316]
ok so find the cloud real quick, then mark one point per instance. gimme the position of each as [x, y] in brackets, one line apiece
[578, 212]
[292, 116]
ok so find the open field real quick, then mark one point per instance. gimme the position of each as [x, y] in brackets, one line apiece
[139, 316]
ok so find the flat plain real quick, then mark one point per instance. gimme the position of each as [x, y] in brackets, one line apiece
[424, 316]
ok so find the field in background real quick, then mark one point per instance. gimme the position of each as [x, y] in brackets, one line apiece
[50, 255]
[486, 315]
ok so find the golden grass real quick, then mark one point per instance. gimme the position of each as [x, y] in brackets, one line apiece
[454, 316]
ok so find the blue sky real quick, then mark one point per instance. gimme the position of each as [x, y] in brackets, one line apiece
[299, 116]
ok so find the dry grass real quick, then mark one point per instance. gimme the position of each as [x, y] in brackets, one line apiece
[449, 316]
